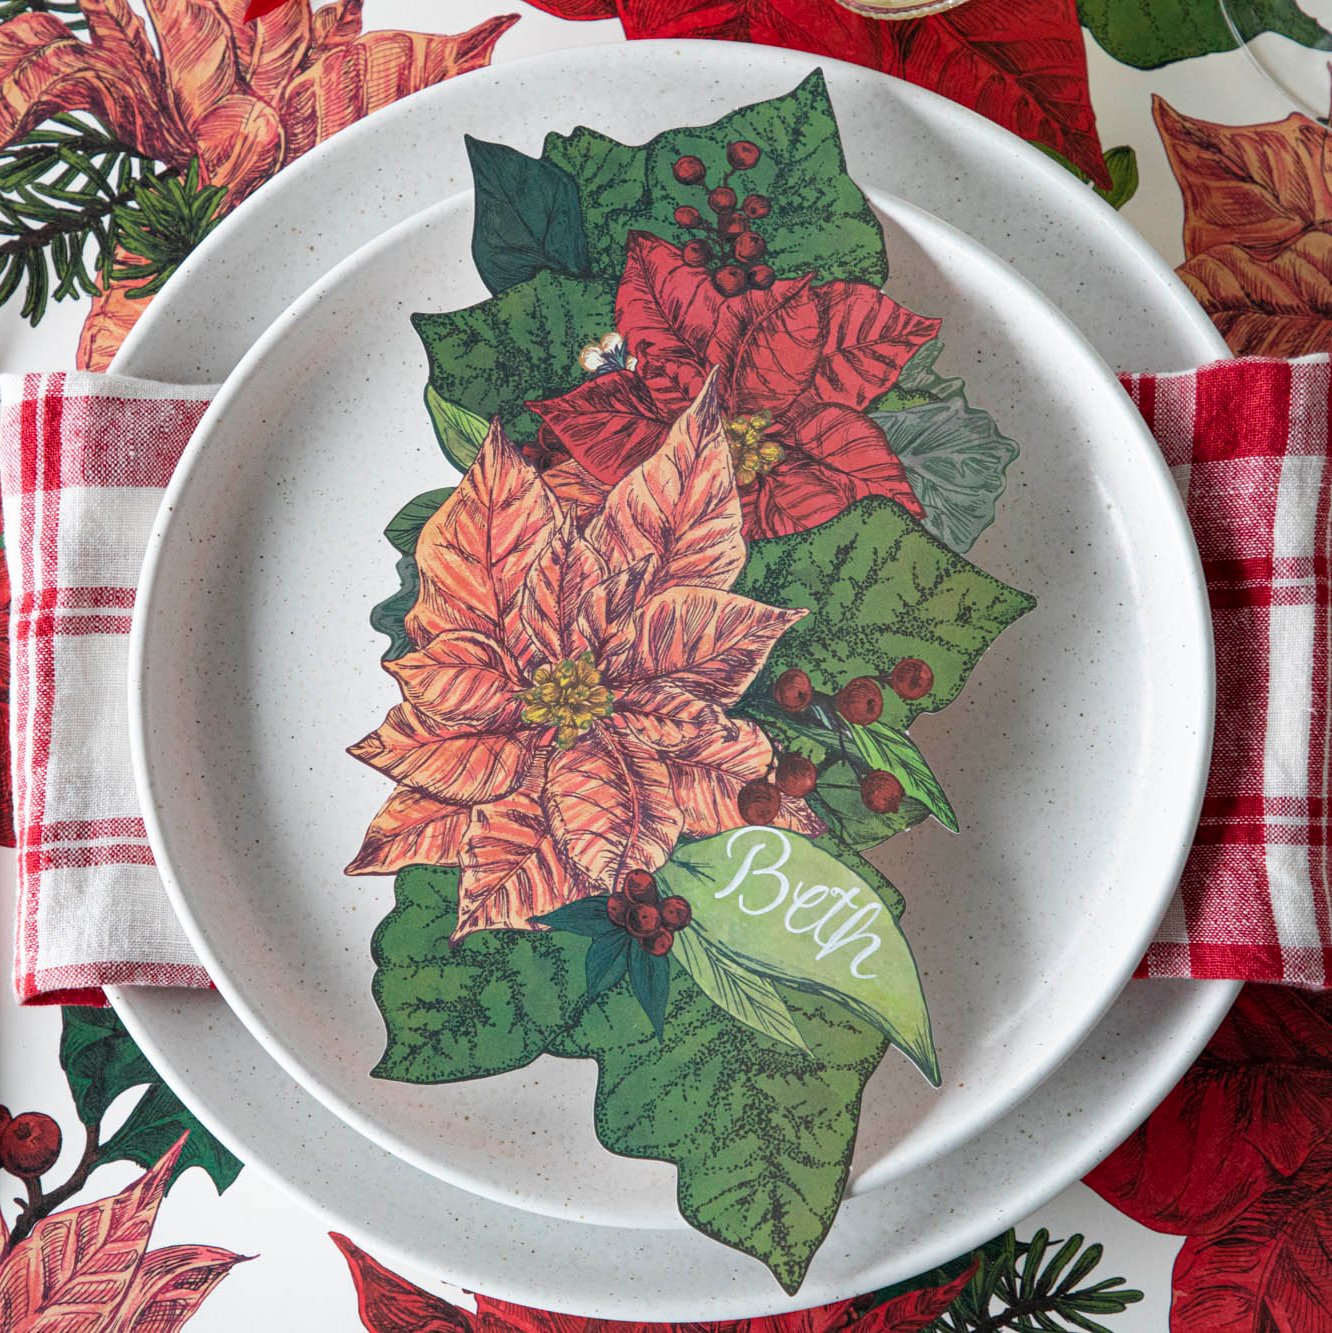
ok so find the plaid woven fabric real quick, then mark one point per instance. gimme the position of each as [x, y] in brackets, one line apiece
[84, 458]
[1248, 444]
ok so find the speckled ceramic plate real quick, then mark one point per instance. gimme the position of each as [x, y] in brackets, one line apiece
[1156, 304]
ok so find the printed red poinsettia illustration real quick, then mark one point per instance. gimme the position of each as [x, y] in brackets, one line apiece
[1257, 214]
[390, 1304]
[1022, 63]
[563, 714]
[798, 365]
[246, 99]
[1239, 1160]
[89, 1268]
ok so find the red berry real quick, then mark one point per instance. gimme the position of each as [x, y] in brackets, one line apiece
[730, 225]
[689, 170]
[759, 802]
[881, 792]
[5, 1118]
[688, 216]
[796, 775]
[617, 908]
[749, 245]
[721, 198]
[729, 280]
[793, 690]
[757, 206]
[643, 920]
[696, 253]
[30, 1145]
[860, 701]
[659, 944]
[911, 678]
[639, 886]
[742, 154]
[762, 277]
[676, 913]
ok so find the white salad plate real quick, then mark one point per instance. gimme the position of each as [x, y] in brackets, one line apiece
[307, 990]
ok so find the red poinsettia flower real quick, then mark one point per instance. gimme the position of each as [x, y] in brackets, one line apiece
[388, 1303]
[1239, 1160]
[563, 714]
[798, 365]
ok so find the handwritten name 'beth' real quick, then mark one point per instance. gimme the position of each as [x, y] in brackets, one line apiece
[761, 887]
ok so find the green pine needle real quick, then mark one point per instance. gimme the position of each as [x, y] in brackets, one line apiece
[166, 219]
[67, 11]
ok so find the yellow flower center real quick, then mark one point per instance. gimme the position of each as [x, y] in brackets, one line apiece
[568, 697]
[752, 455]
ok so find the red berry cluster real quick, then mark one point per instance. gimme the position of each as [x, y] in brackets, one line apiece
[29, 1143]
[859, 702]
[652, 920]
[730, 249]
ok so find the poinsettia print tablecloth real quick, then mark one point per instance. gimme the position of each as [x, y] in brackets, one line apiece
[1217, 1214]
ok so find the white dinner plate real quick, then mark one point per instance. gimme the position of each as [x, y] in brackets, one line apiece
[1013, 203]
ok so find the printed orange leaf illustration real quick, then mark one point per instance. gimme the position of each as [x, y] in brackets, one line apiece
[89, 1268]
[388, 1303]
[564, 709]
[245, 98]
[1257, 228]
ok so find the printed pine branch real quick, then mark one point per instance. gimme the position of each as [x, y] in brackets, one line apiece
[1014, 1288]
[67, 11]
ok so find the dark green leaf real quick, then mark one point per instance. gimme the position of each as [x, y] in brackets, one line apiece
[820, 221]
[460, 433]
[586, 916]
[880, 589]
[405, 526]
[955, 458]
[836, 801]
[493, 357]
[886, 747]
[154, 1125]
[607, 961]
[527, 217]
[1151, 33]
[1121, 163]
[388, 616]
[650, 978]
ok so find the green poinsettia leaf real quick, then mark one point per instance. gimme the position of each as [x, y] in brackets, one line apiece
[748, 996]
[460, 433]
[1150, 33]
[820, 221]
[493, 357]
[761, 1133]
[389, 616]
[527, 217]
[889, 748]
[101, 1061]
[880, 588]
[587, 917]
[783, 907]
[405, 526]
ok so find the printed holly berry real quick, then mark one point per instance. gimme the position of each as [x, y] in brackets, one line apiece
[660, 943]
[860, 701]
[761, 277]
[696, 253]
[796, 776]
[30, 1145]
[731, 226]
[643, 919]
[689, 170]
[721, 198]
[911, 678]
[749, 246]
[742, 154]
[688, 216]
[676, 913]
[759, 801]
[756, 206]
[5, 1118]
[640, 886]
[617, 908]
[730, 280]
[793, 690]
[881, 792]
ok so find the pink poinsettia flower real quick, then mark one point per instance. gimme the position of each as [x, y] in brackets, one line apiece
[799, 366]
[564, 710]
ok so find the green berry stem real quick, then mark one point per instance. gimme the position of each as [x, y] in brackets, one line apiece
[40, 1204]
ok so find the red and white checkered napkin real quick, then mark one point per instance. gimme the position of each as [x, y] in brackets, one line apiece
[83, 460]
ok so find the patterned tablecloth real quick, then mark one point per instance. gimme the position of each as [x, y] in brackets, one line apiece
[1217, 1214]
